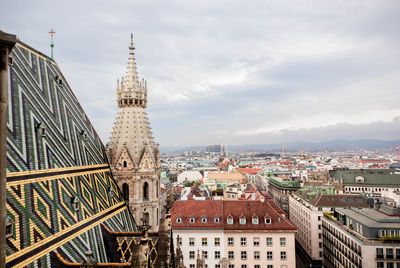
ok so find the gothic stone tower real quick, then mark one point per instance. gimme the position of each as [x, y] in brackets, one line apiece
[133, 155]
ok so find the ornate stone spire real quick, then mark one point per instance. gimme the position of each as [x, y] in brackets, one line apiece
[132, 92]
[132, 83]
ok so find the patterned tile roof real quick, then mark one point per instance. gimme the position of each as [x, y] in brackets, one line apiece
[59, 185]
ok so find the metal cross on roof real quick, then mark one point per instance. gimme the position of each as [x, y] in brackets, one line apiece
[52, 32]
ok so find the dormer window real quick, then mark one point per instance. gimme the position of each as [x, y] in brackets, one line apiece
[255, 220]
[192, 220]
[83, 135]
[242, 220]
[75, 203]
[359, 179]
[41, 128]
[267, 220]
[203, 220]
[9, 227]
[111, 191]
[216, 220]
[229, 220]
[178, 220]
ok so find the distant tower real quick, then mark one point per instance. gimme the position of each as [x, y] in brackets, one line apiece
[133, 154]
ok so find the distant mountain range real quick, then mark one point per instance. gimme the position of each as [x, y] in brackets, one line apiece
[331, 145]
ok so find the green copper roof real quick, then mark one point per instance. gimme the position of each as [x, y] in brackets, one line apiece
[375, 177]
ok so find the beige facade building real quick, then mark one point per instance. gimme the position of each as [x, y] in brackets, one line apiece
[133, 154]
[233, 234]
[306, 207]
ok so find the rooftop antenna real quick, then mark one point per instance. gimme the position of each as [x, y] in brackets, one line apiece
[52, 32]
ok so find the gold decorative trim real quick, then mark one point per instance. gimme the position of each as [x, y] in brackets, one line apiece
[54, 177]
[65, 240]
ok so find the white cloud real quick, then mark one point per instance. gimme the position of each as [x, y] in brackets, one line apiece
[234, 68]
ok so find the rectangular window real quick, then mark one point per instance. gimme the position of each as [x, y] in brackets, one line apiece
[180, 241]
[283, 255]
[231, 266]
[191, 241]
[256, 255]
[390, 265]
[270, 266]
[231, 255]
[256, 241]
[319, 235]
[230, 241]
[269, 241]
[379, 253]
[320, 245]
[269, 255]
[243, 241]
[229, 221]
[243, 255]
[217, 255]
[283, 241]
[256, 266]
[242, 221]
[205, 254]
[218, 266]
[216, 241]
[255, 220]
[192, 266]
[204, 241]
[191, 255]
[389, 253]
[380, 265]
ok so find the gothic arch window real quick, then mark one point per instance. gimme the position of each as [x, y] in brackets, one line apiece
[125, 164]
[145, 191]
[125, 191]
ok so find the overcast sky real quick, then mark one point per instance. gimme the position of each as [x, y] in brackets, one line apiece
[229, 72]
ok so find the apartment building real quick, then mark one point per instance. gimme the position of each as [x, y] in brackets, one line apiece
[240, 234]
[362, 238]
[306, 207]
[375, 182]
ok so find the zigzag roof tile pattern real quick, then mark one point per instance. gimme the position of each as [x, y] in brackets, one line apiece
[60, 189]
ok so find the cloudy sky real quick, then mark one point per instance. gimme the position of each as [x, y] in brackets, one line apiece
[229, 72]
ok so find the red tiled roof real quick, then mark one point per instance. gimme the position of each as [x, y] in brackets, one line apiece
[250, 171]
[248, 209]
[197, 209]
[228, 208]
[374, 161]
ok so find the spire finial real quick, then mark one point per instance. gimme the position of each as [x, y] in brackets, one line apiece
[131, 47]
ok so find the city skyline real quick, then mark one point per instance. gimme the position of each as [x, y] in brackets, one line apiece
[231, 74]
